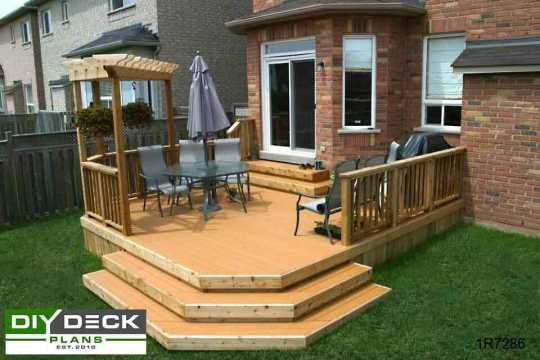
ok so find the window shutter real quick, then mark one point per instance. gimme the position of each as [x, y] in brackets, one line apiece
[442, 82]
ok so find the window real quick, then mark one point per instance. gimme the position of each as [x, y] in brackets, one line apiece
[25, 30]
[12, 33]
[46, 22]
[359, 77]
[65, 11]
[29, 98]
[2, 100]
[119, 4]
[443, 89]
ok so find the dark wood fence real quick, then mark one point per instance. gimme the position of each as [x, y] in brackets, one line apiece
[40, 173]
[42, 122]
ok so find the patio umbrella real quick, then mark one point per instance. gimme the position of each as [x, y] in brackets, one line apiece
[206, 114]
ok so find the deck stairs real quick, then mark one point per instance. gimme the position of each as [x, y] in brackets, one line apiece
[182, 317]
[289, 177]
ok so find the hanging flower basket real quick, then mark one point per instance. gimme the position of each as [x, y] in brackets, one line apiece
[137, 115]
[95, 121]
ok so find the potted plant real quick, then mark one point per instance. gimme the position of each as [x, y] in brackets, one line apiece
[95, 121]
[254, 150]
[137, 115]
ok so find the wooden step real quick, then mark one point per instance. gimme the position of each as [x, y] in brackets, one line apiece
[194, 305]
[175, 333]
[288, 170]
[290, 185]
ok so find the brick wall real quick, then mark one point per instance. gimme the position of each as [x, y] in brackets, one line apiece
[185, 28]
[329, 32]
[260, 5]
[485, 19]
[501, 130]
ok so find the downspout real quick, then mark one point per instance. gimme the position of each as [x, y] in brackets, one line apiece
[38, 63]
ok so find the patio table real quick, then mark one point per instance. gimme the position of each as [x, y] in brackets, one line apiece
[208, 175]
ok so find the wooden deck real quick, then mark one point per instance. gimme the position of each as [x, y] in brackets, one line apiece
[233, 249]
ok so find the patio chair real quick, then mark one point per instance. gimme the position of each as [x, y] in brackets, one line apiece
[229, 150]
[191, 152]
[153, 167]
[328, 204]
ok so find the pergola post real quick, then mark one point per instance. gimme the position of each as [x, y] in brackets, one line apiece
[81, 139]
[118, 125]
[96, 100]
[170, 124]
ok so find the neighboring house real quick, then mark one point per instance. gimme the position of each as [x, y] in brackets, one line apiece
[168, 30]
[21, 81]
[333, 80]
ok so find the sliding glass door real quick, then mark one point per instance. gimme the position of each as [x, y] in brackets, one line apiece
[289, 97]
[291, 104]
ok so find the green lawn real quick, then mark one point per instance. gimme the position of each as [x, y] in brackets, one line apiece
[466, 284]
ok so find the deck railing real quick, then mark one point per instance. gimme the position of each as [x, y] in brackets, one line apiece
[244, 129]
[381, 197]
[102, 194]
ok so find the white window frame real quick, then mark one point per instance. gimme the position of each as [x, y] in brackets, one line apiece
[65, 11]
[26, 25]
[284, 57]
[124, 6]
[373, 83]
[2, 98]
[47, 12]
[26, 103]
[436, 102]
[12, 33]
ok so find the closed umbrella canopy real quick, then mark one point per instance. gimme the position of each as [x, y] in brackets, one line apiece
[206, 114]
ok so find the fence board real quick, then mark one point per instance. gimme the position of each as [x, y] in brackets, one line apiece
[40, 172]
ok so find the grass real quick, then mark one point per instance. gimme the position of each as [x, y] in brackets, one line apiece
[467, 284]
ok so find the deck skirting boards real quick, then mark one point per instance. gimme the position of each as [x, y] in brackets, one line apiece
[373, 250]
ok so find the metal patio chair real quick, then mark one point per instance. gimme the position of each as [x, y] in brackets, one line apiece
[229, 150]
[328, 204]
[153, 168]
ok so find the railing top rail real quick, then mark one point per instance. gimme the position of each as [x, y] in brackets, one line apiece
[401, 163]
[108, 170]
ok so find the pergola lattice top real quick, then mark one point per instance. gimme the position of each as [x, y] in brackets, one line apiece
[120, 66]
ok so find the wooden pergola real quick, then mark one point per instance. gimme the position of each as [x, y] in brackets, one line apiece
[105, 188]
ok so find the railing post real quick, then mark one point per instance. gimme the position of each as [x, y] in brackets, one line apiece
[393, 197]
[347, 211]
[12, 193]
[120, 156]
[430, 188]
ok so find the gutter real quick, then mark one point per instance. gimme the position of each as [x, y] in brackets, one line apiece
[397, 7]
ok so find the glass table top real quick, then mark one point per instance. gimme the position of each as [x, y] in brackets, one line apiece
[202, 170]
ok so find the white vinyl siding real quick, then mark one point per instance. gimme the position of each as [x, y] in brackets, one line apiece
[442, 88]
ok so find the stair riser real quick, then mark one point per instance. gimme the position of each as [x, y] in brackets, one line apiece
[123, 297]
[282, 184]
[237, 312]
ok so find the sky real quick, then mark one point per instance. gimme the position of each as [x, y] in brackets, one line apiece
[7, 6]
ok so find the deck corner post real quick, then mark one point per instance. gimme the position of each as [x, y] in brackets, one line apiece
[170, 123]
[347, 211]
[120, 156]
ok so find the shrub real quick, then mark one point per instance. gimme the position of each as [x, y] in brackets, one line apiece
[95, 121]
[137, 115]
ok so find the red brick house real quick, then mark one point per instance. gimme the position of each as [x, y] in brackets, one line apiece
[332, 80]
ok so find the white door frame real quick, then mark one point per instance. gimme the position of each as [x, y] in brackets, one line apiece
[265, 97]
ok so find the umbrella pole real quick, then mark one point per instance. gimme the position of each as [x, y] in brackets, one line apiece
[205, 142]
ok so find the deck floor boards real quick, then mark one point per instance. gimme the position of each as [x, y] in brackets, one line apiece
[232, 242]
